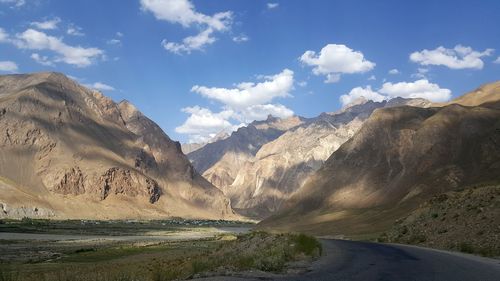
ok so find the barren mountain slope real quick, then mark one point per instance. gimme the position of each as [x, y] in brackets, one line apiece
[400, 157]
[70, 152]
[220, 161]
[282, 166]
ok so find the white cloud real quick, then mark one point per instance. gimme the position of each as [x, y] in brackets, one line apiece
[418, 89]
[74, 30]
[393, 71]
[246, 102]
[248, 93]
[8, 66]
[46, 25]
[100, 86]
[241, 38]
[371, 78]
[334, 60]
[203, 123]
[43, 60]
[119, 34]
[497, 61]
[183, 12]
[272, 5]
[75, 55]
[14, 3]
[262, 111]
[359, 92]
[302, 83]
[460, 57]
[190, 43]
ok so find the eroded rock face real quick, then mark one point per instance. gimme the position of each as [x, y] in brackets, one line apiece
[71, 183]
[122, 181]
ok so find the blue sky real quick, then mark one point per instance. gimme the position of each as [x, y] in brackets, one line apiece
[185, 64]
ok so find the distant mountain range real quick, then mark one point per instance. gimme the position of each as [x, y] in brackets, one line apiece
[260, 166]
[70, 152]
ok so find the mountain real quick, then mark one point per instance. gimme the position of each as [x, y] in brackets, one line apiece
[220, 161]
[70, 152]
[281, 166]
[399, 158]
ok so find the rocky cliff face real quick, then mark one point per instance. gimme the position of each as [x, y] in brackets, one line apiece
[75, 152]
[399, 158]
[282, 166]
[220, 161]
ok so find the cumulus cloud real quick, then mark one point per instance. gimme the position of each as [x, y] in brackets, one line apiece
[334, 60]
[272, 5]
[36, 40]
[241, 38]
[246, 102]
[418, 89]
[183, 12]
[460, 57]
[359, 92]
[371, 78]
[393, 71]
[100, 86]
[46, 25]
[202, 123]
[248, 93]
[497, 61]
[8, 66]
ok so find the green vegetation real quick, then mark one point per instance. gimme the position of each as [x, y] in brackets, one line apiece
[168, 260]
[110, 227]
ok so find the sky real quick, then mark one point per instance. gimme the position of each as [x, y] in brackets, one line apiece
[199, 67]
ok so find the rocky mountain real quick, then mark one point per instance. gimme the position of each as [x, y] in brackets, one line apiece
[281, 166]
[399, 158]
[70, 152]
[220, 161]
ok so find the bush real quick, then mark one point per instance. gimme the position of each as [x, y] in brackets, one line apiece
[307, 245]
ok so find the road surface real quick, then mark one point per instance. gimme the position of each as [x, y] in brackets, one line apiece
[363, 261]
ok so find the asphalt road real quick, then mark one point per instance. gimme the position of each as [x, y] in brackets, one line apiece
[352, 260]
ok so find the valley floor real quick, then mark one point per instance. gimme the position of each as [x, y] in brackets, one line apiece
[135, 250]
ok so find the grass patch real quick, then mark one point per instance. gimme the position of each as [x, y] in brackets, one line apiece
[172, 260]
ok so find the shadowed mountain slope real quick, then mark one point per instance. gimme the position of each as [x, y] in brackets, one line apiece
[399, 158]
[281, 166]
[70, 152]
